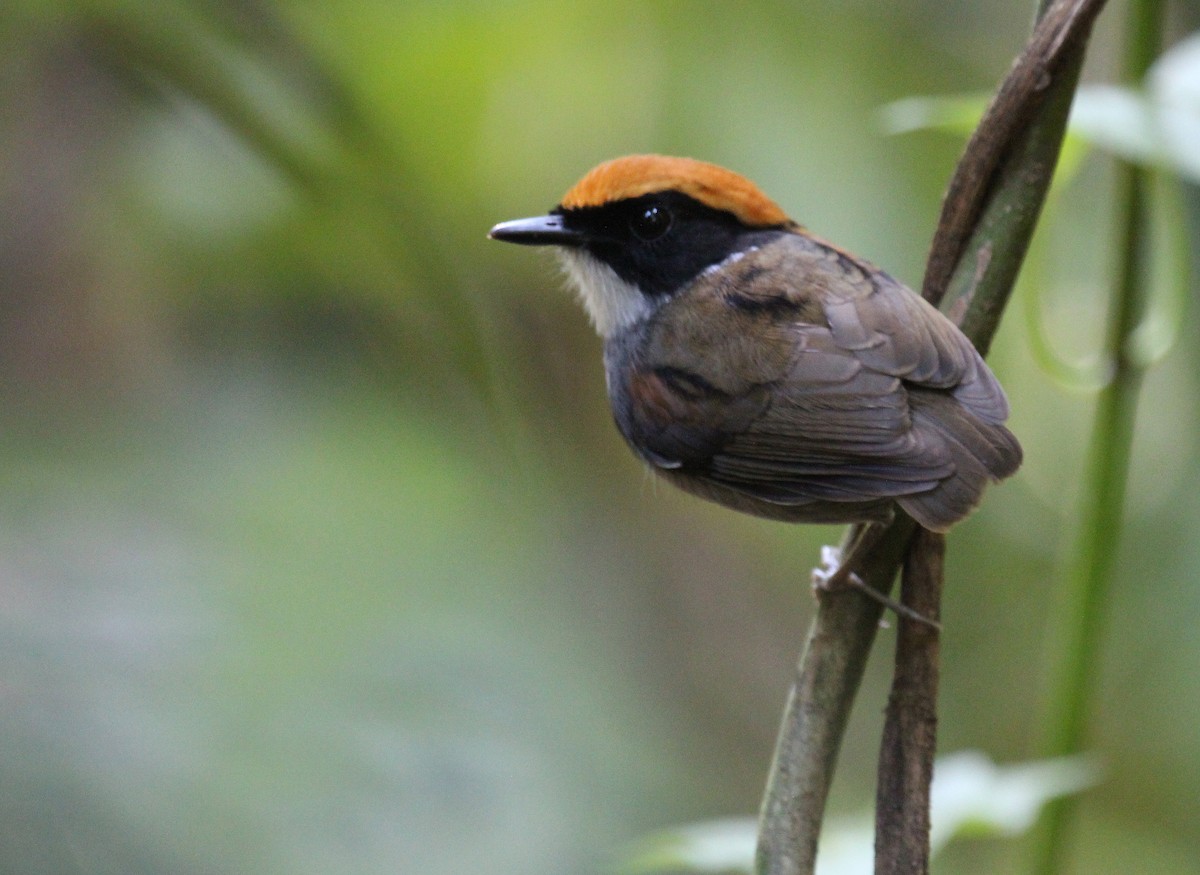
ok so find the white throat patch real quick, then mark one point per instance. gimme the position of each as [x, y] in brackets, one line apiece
[611, 302]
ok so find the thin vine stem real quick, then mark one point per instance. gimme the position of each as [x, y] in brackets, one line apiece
[1091, 566]
[988, 216]
[909, 741]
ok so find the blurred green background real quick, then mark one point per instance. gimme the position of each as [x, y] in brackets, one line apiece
[318, 550]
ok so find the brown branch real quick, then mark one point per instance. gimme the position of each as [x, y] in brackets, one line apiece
[1059, 37]
[988, 216]
[910, 726]
[818, 709]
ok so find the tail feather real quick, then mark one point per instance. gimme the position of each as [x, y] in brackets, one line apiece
[982, 452]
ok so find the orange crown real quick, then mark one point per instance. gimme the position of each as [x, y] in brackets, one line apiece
[716, 187]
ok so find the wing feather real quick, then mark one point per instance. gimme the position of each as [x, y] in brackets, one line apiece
[835, 385]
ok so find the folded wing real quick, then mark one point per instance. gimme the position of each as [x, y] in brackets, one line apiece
[877, 397]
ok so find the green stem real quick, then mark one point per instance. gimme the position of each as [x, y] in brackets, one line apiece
[1091, 569]
[990, 210]
[818, 709]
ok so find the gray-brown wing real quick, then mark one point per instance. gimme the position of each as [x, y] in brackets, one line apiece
[837, 384]
[835, 430]
[821, 427]
[887, 327]
[894, 331]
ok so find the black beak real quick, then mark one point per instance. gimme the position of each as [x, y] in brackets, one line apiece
[538, 231]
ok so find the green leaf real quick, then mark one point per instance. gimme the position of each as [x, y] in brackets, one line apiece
[974, 796]
[1119, 120]
[971, 796]
[708, 846]
[957, 114]
[1155, 126]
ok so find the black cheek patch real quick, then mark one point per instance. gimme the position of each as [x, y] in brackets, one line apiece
[699, 237]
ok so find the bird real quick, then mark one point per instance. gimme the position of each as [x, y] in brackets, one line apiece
[755, 365]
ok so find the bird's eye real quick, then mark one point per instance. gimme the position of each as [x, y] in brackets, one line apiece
[651, 223]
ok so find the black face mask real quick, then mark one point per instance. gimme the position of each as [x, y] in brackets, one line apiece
[660, 242]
